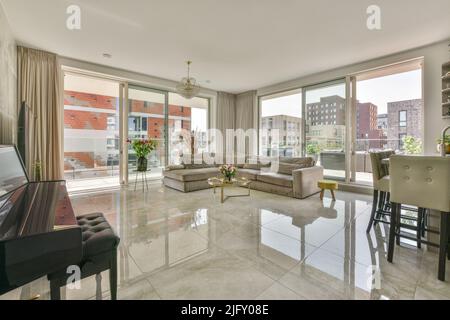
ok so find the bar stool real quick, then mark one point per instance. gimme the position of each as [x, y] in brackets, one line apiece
[380, 176]
[423, 182]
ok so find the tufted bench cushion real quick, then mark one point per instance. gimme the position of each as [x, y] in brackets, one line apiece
[97, 235]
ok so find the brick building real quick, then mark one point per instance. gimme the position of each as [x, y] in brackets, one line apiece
[91, 124]
[368, 136]
[404, 119]
[330, 112]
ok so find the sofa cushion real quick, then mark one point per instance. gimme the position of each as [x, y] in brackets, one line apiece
[305, 162]
[287, 168]
[257, 163]
[175, 167]
[248, 173]
[278, 179]
[199, 166]
[187, 175]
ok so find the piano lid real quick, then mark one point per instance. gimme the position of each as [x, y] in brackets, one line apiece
[35, 208]
[29, 208]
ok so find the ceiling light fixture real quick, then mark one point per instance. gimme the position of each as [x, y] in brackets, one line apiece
[188, 87]
[107, 55]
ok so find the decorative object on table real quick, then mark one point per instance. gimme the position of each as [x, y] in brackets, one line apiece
[188, 87]
[445, 142]
[228, 171]
[327, 185]
[142, 148]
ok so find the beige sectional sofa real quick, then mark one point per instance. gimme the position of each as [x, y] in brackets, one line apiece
[295, 177]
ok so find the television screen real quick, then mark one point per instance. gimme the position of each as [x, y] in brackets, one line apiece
[12, 173]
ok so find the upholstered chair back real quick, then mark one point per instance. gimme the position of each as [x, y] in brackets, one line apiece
[421, 181]
[378, 169]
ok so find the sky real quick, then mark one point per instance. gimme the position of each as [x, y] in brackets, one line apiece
[379, 91]
[397, 87]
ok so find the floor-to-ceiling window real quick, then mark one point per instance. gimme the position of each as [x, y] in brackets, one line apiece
[388, 114]
[281, 124]
[95, 109]
[91, 132]
[325, 129]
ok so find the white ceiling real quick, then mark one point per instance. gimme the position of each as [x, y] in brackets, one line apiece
[238, 45]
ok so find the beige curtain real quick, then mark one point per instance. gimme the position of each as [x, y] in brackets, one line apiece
[226, 118]
[245, 110]
[39, 86]
[226, 111]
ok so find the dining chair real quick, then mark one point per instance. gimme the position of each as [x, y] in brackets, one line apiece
[424, 182]
[380, 177]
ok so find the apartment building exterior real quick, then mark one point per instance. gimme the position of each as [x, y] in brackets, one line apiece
[289, 133]
[405, 118]
[328, 111]
[368, 135]
[91, 127]
[326, 123]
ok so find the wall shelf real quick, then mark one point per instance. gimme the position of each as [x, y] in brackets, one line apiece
[446, 90]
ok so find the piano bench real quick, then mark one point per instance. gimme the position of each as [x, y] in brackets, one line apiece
[99, 254]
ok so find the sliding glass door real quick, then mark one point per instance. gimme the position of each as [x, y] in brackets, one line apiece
[147, 119]
[325, 127]
[178, 125]
[101, 115]
[387, 112]
[91, 132]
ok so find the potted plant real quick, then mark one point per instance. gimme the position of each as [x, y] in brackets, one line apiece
[142, 148]
[446, 142]
[228, 171]
[412, 145]
[313, 150]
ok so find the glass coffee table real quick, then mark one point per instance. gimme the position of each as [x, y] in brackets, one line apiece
[235, 182]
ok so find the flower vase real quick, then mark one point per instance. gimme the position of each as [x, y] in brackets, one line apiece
[142, 164]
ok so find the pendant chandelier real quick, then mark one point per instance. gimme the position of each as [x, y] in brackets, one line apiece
[188, 87]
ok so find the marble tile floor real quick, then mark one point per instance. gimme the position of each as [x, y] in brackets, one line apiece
[189, 246]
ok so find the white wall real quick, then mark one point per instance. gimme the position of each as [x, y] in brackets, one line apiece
[8, 82]
[434, 56]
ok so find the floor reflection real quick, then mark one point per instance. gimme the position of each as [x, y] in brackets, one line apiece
[189, 246]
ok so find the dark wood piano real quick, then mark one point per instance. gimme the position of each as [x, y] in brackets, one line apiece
[38, 230]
